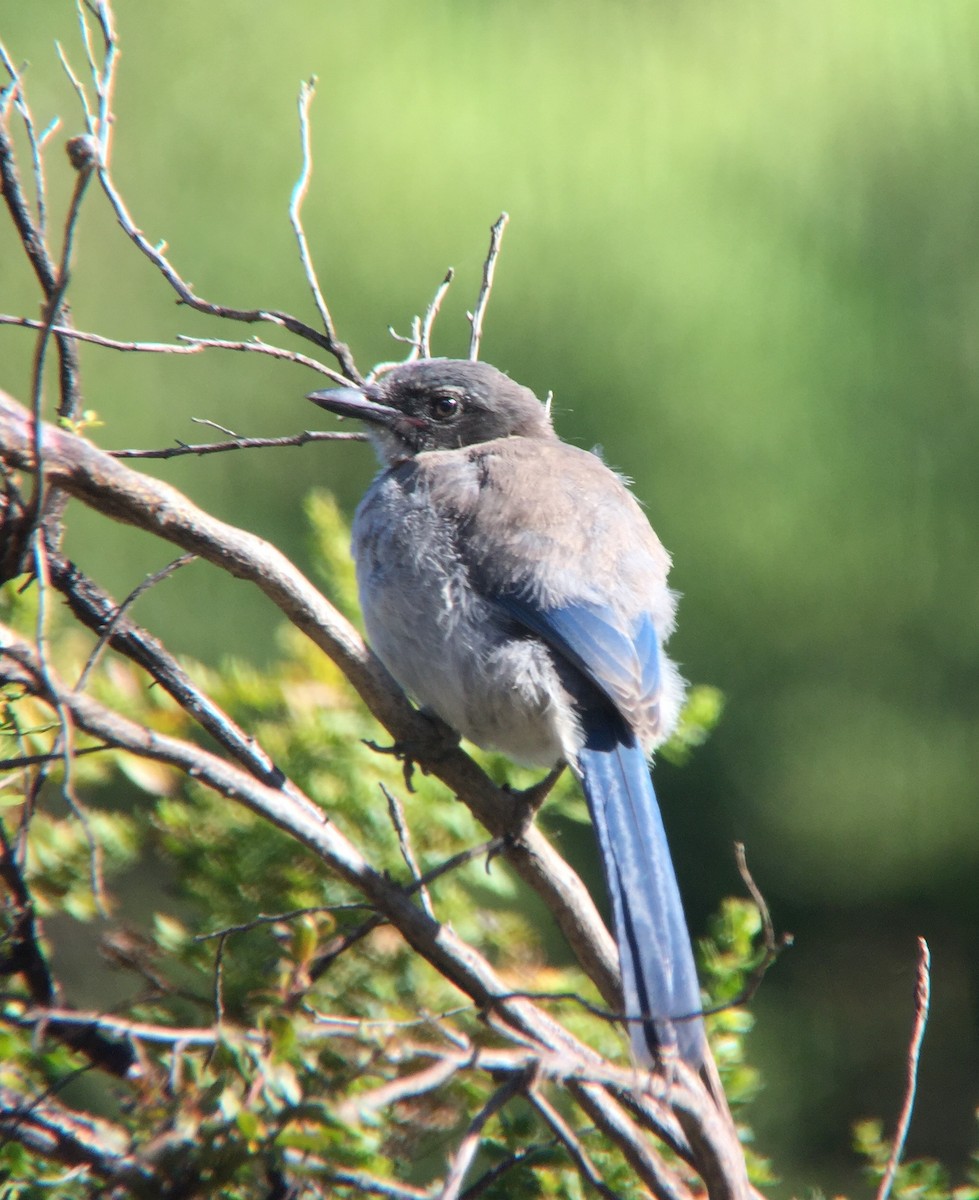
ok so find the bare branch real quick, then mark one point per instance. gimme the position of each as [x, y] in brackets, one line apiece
[95, 609]
[922, 1000]
[431, 313]
[367, 1185]
[404, 1088]
[65, 740]
[488, 1179]
[570, 1141]
[135, 1031]
[404, 843]
[55, 1132]
[615, 1123]
[35, 141]
[772, 944]
[104, 637]
[186, 294]
[186, 345]
[242, 443]
[32, 237]
[489, 270]
[466, 1152]
[306, 93]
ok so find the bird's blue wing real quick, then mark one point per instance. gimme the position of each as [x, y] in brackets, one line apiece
[659, 979]
[622, 662]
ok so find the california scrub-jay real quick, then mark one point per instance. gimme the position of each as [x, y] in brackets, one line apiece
[512, 585]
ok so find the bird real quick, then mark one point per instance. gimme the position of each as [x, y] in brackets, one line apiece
[513, 586]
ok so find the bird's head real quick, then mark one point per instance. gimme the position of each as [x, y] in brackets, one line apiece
[439, 404]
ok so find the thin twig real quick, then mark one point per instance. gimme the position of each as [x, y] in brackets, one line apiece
[489, 270]
[404, 843]
[569, 1139]
[106, 634]
[772, 944]
[240, 443]
[247, 316]
[75, 1020]
[922, 999]
[56, 1133]
[428, 321]
[362, 1184]
[414, 340]
[466, 1150]
[273, 919]
[103, 80]
[65, 739]
[306, 93]
[55, 299]
[32, 239]
[343, 942]
[78, 88]
[33, 760]
[186, 344]
[521, 1157]
[18, 94]
[405, 1087]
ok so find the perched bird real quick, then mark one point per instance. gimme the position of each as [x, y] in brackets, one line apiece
[512, 585]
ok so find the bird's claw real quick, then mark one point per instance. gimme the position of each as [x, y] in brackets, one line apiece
[442, 740]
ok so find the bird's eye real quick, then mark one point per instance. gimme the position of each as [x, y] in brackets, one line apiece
[444, 407]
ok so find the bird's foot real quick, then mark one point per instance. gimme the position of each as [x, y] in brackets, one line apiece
[441, 741]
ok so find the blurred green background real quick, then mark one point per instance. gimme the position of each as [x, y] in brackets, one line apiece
[743, 255]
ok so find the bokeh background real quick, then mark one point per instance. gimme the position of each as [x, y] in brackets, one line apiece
[744, 256]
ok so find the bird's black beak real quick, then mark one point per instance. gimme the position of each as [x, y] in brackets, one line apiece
[355, 402]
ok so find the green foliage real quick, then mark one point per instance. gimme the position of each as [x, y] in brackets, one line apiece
[703, 709]
[915, 1179]
[219, 922]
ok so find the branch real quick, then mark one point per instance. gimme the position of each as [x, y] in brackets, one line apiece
[53, 1131]
[185, 344]
[119, 492]
[463, 1158]
[298, 816]
[31, 235]
[25, 956]
[248, 316]
[489, 270]
[922, 999]
[306, 93]
[242, 443]
[97, 610]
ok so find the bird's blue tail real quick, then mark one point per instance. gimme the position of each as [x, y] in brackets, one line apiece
[659, 978]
